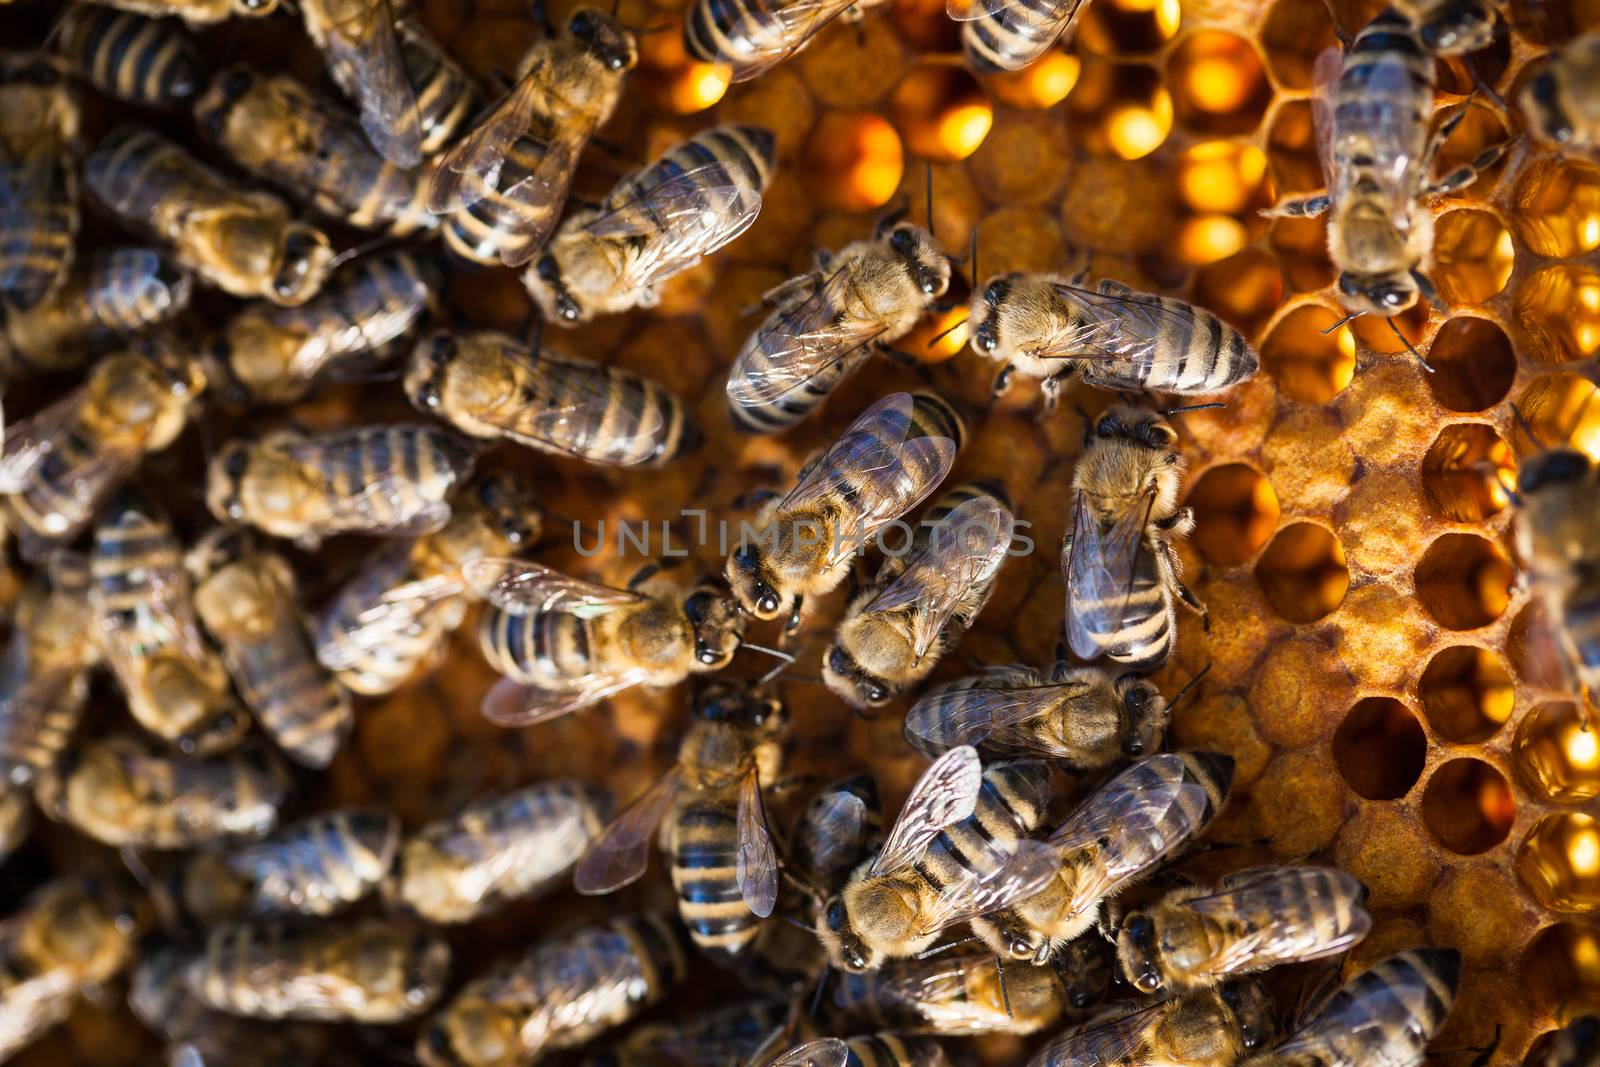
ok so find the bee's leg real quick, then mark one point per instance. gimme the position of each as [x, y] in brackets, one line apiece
[1183, 517]
[793, 625]
[1002, 382]
[1050, 389]
[1307, 207]
[541, 16]
[1187, 596]
[1005, 994]
[644, 574]
[1465, 174]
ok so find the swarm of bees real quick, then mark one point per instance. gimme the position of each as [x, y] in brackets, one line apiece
[1049, 872]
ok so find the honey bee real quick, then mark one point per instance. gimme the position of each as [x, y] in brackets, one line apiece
[1252, 920]
[60, 464]
[70, 937]
[564, 992]
[957, 851]
[240, 240]
[446, 97]
[564, 644]
[826, 323]
[16, 820]
[1123, 831]
[1576, 1044]
[1561, 103]
[724, 863]
[277, 129]
[1121, 572]
[656, 222]
[1205, 1028]
[138, 60]
[1080, 716]
[1049, 326]
[1387, 1014]
[358, 40]
[246, 601]
[1451, 27]
[897, 628]
[1001, 35]
[362, 970]
[119, 792]
[195, 12]
[506, 180]
[273, 355]
[44, 675]
[870, 1050]
[395, 612]
[752, 38]
[735, 1034]
[487, 386]
[840, 827]
[1371, 115]
[885, 464]
[124, 291]
[144, 618]
[38, 185]
[387, 480]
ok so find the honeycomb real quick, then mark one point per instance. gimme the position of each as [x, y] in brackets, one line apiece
[1387, 687]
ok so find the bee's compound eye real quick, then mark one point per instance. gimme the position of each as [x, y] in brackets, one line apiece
[877, 692]
[836, 914]
[236, 83]
[548, 270]
[902, 241]
[236, 464]
[767, 603]
[441, 349]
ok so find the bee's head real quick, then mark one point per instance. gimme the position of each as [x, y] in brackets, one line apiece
[1539, 101]
[1139, 952]
[741, 705]
[429, 967]
[303, 261]
[255, 8]
[840, 939]
[225, 479]
[549, 290]
[613, 45]
[511, 507]
[211, 111]
[1554, 467]
[1254, 1011]
[851, 682]
[751, 582]
[1385, 294]
[985, 313]
[1085, 967]
[1145, 714]
[430, 360]
[1465, 28]
[718, 625]
[927, 265]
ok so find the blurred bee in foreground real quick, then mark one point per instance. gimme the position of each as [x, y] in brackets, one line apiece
[393, 481]
[1121, 572]
[446, 97]
[870, 1050]
[1387, 1014]
[563, 993]
[753, 37]
[144, 615]
[1001, 35]
[196, 12]
[273, 355]
[246, 600]
[1576, 1044]
[60, 464]
[516, 846]
[507, 180]
[138, 60]
[362, 970]
[123, 291]
[841, 826]
[1207, 1028]
[1048, 326]
[826, 323]
[1561, 104]
[393, 614]
[44, 674]
[735, 1033]
[357, 38]
[16, 820]
[724, 864]
[38, 185]
[1252, 920]
[564, 644]
[1452, 27]
[956, 852]
[1127, 828]
[656, 222]
[240, 240]
[276, 128]
[486, 385]
[885, 464]
[897, 629]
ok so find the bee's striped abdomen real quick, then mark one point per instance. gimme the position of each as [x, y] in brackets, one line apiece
[1015, 35]
[704, 839]
[618, 435]
[320, 864]
[417, 465]
[135, 59]
[379, 665]
[1174, 348]
[49, 508]
[893, 1050]
[36, 234]
[507, 229]
[1371, 118]
[1010, 805]
[130, 289]
[542, 648]
[743, 155]
[446, 99]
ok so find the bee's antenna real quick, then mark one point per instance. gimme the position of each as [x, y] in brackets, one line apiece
[360, 250]
[1341, 322]
[972, 256]
[1177, 697]
[1169, 412]
[1425, 287]
[784, 660]
[1409, 346]
[1005, 994]
[946, 947]
[816, 994]
[942, 334]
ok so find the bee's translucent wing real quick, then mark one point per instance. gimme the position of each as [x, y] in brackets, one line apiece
[823, 1052]
[363, 56]
[998, 716]
[938, 991]
[30, 441]
[946, 793]
[1039, 24]
[471, 168]
[681, 215]
[757, 865]
[519, 587]
[1108, 1040]
[1015, 872]
[619, 856]
[1324, 80]
[368, 623]
[1372, 1013]
[575, 392]
[797, 23]
[796, 346]
[833, 831]
[513, 703]
[33, 186]
[1126, 328]
[1283, 916]
[1129, 829]
[1101, 569]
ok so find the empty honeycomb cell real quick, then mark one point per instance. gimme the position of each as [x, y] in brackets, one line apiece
[1481, 128]
[1468, 806]
[1292, 149]
[1463, 581]
[1559, 310]
[1119, 109]
[1558, 751]
[1244, 289]
[854, 161]
[1557, 204]
[1557, 409]
[941, 112]
[1561, 966]
[1220, 86]
[1472, 256]
[674, 80]
[1389, 336]
[1126, 27]
[1465, 473]
[1310, 363]
[1467, 694]
[1473, 364]
[1235, 512]
[1222, 176]
[1560, 862]
[923, 23]
[1380, 748]
[1295, 33]
[1303, 572]
[1044, 83]
[1207, 239]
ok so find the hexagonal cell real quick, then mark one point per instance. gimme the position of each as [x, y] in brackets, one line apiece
[1532, 648]
[1235, 512]
[1559, 308]
[1558, 207]
[1389, 336]
[1560, 862]
[1463, 581]
[1303, 573]
[1562, 968]
[1465, 472]
[1468, 806]
[1558, 751]
[1557, 409]
[1222, 88]
[1043, 83]
[1126, 27]
[941, 112]
[676, 81]
[1462, 75]
[1206, 239]
[1379, 749]
[854, 161]
[1244, 289]
[1473, 364]
[1302, 249]
[1295, 33]
[1467, 694]
[1472, 256]
[925, 24]
[1119, 109]
[1310, 364]
[1480, 128]
[1292, 149]
[1222, 176]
